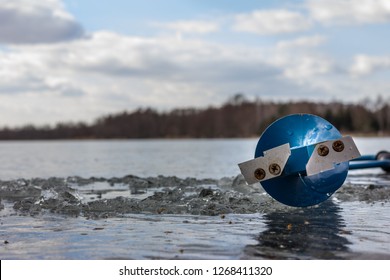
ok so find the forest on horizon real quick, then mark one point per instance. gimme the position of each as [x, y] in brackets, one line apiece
[236, 118]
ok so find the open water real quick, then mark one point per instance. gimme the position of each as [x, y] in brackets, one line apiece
[176, 199]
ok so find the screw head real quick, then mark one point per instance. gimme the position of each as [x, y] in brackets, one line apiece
[274, 169]
[323, 150]
[338, 146]
[259, 173]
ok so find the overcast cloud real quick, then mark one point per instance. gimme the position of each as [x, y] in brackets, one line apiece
[271, 22]
[52, 70]
[31, 21]
[336, 12]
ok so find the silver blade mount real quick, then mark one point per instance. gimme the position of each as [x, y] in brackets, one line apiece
[326, 154]
[269, 166]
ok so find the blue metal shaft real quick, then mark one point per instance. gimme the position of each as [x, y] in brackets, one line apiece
[369, 161]
[369, 164]
[365, 157]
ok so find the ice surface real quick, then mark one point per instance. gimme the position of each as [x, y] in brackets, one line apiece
[103, 197]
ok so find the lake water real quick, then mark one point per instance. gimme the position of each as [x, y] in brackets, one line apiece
[182, 158]
[51, 208]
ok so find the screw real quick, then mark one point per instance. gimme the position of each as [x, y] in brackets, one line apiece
[338, 146]
[259, 174]
[323, 150]
[274, 169]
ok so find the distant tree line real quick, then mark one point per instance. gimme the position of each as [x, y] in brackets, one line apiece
[237, 117]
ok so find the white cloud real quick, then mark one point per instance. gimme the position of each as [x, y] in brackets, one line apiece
[108, 72]
[36, 21]
[300, 59]
[301, 66]
[265, 22]
[365, 64]
[302, 42]
[307, 66]
[193, 26]
[349, 11]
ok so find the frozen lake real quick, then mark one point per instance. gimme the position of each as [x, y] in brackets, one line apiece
[51, 208]
[182, 158]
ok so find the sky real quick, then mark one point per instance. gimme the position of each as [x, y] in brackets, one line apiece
[77, 60]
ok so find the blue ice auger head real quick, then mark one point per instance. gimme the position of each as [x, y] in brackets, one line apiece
[300, 160]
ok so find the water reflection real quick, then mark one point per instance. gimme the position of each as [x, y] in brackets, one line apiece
[302, 233]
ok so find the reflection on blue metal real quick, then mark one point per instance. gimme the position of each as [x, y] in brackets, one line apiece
[308, 177]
